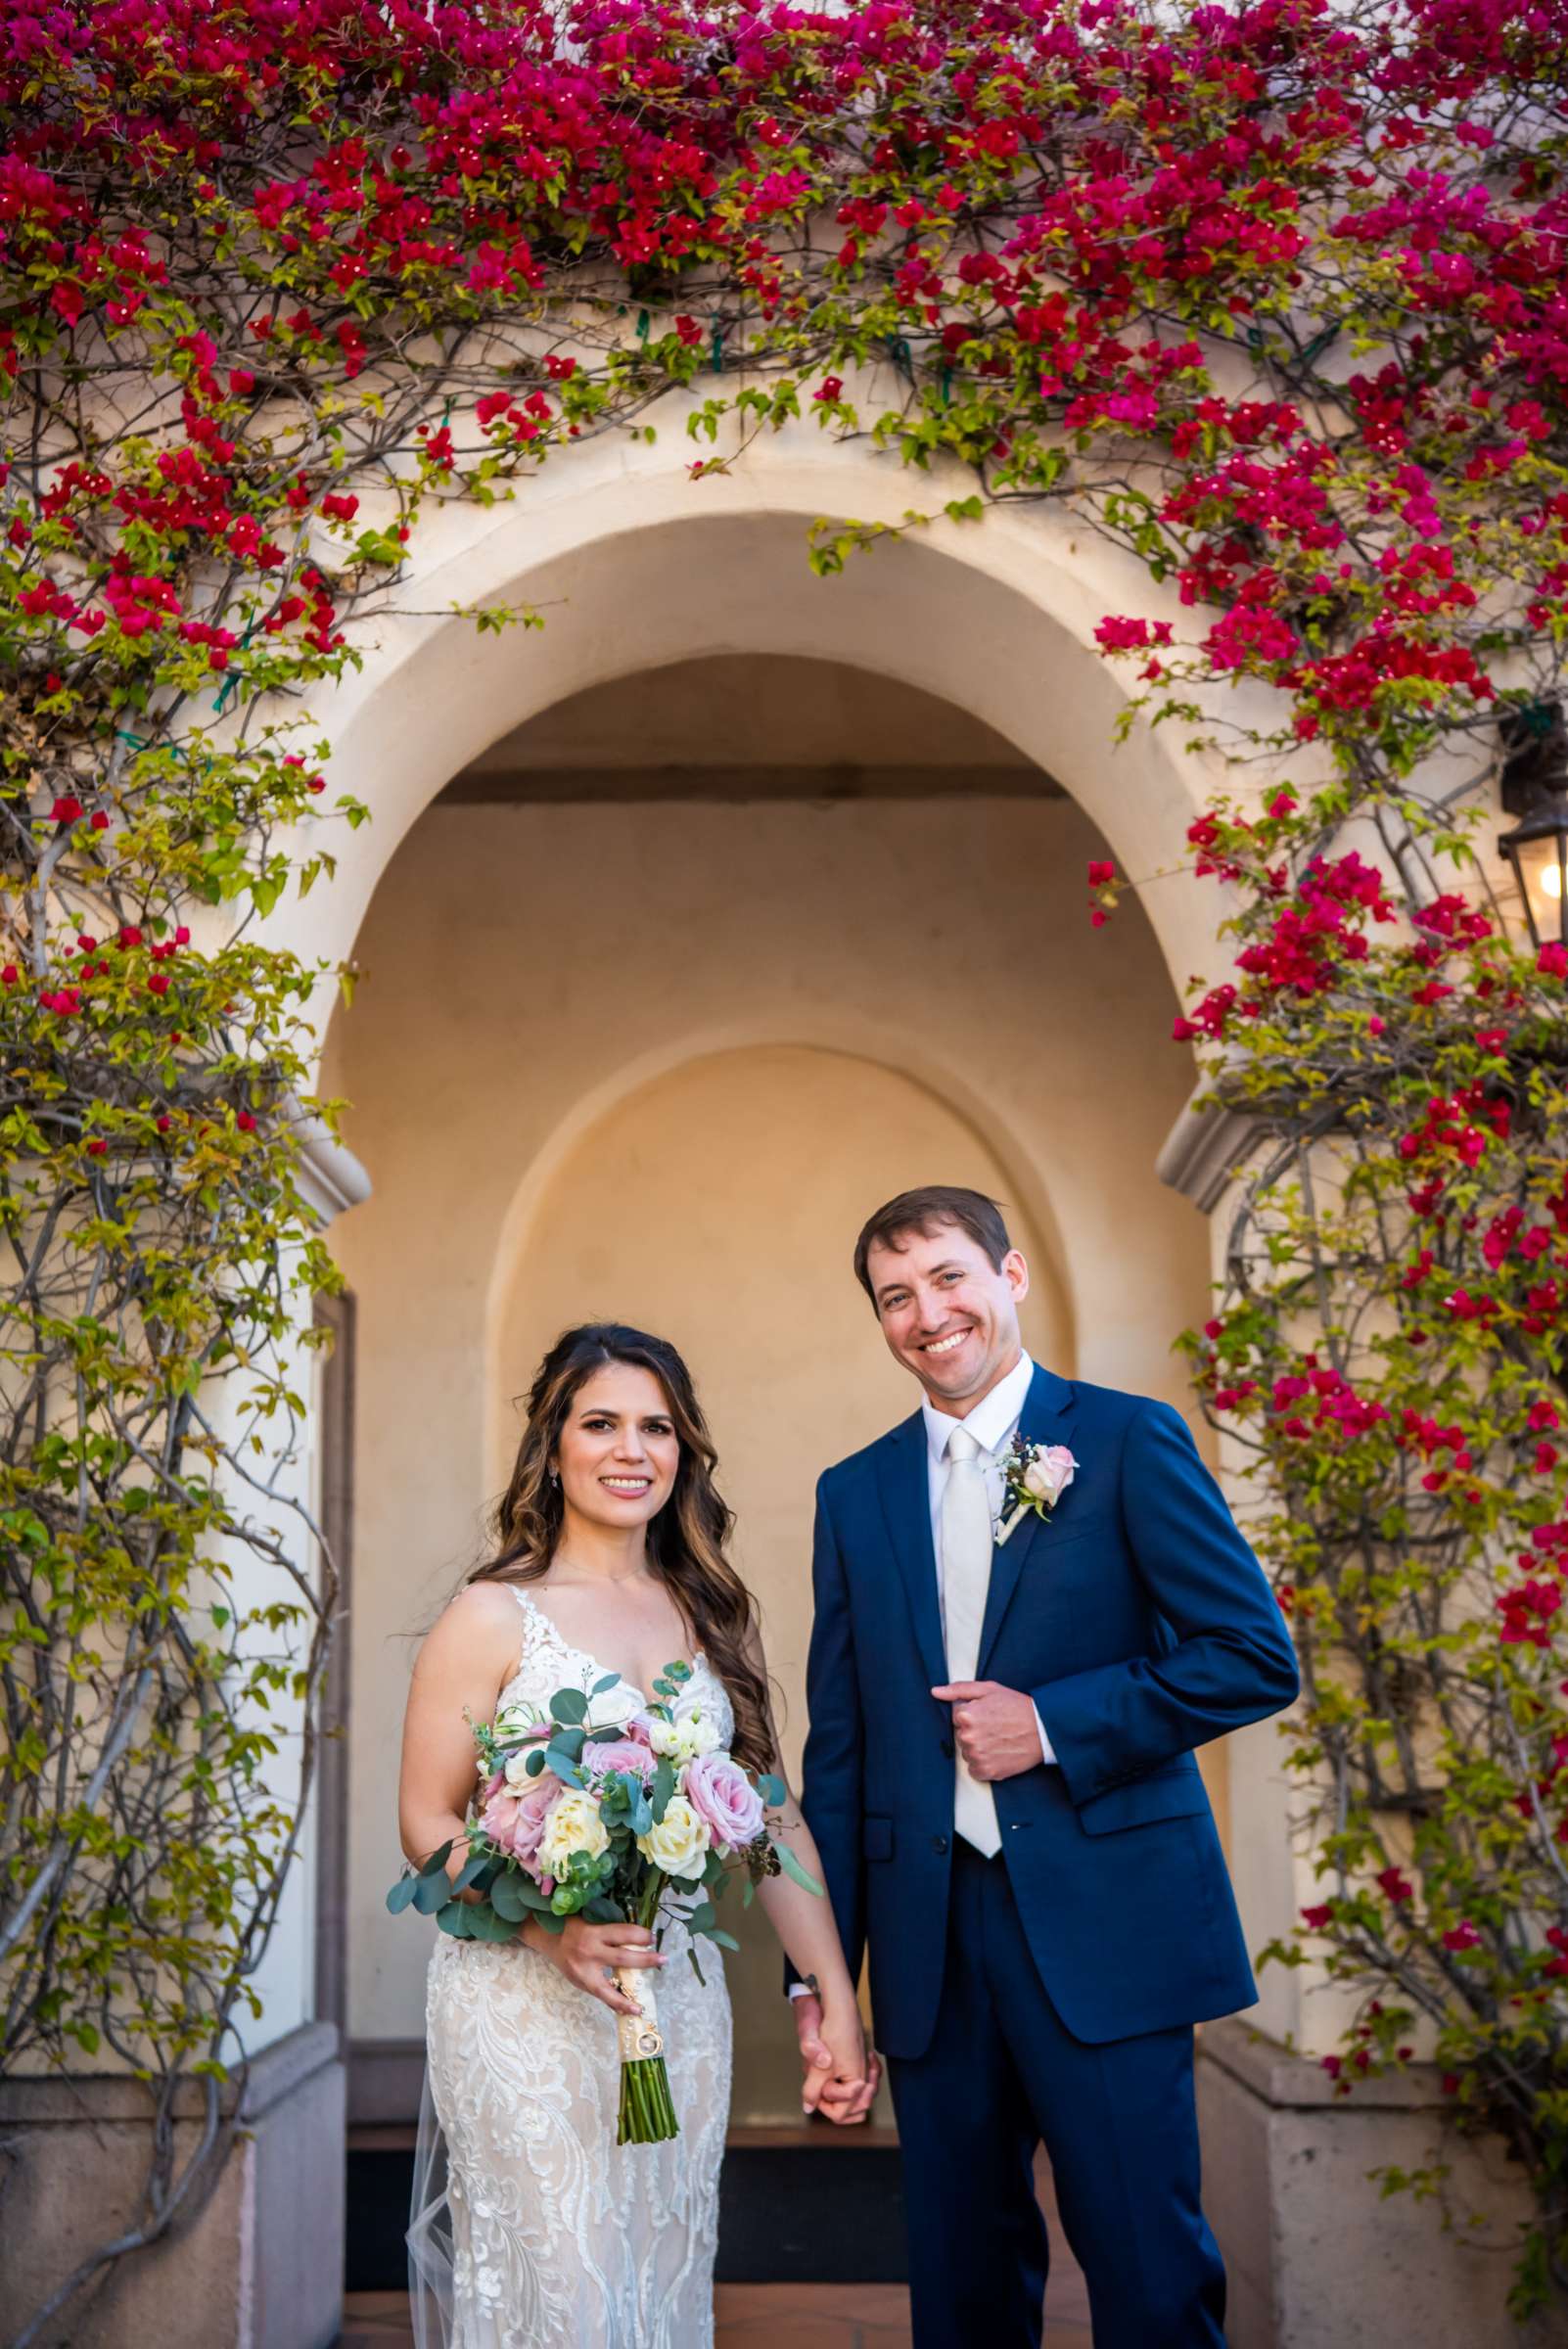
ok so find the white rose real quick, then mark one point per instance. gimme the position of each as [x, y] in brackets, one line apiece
[679, 1843]
[573, 1826]
[691, 1732]
[612, 1707]
[516, 1768]
[517, 1719]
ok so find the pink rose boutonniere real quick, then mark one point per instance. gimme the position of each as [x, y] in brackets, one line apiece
[1037, 1477]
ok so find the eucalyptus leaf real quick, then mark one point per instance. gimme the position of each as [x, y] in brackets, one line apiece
[725, 1941]
[486, 1926]
[793, 1871]
[401, 1893]
[453, 1919]
[599, 1688]
[436, 1865]
[569, 1706]
[431, 1892]
[506, 1897]
[663, 1786]
[772, 1790]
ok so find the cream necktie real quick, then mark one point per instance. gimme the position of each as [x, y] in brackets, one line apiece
[966, 1554]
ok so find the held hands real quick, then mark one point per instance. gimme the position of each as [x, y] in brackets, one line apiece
[584, 1953]
[996, 1728]
[842, 2078]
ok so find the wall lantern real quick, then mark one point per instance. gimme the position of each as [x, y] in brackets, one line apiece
[1535, 788]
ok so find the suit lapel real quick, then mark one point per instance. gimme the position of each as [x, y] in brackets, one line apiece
[1047, 1408]
[905, 1494]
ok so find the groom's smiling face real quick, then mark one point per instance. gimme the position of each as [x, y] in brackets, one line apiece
[949, 1313]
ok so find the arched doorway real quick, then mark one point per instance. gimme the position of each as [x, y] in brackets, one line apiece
[665, 992]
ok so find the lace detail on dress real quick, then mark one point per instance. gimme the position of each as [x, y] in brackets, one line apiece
[559, 2235]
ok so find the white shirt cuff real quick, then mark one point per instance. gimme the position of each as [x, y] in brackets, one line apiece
[1045, 1751]
[801, 1990]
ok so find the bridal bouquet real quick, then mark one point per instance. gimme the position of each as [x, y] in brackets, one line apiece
[591, 1808]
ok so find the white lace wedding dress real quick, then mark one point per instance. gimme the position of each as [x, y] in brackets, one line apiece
[536, 2231]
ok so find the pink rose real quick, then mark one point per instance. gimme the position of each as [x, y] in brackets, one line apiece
[1049, 1473]
[724, 1797]
[517, 1822]
[626, 1754]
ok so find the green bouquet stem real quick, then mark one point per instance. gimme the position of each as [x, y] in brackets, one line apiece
[647, 2110]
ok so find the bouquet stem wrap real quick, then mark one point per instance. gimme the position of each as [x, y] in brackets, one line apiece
[647, 2112]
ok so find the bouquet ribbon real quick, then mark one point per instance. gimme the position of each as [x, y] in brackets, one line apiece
[639, 2035]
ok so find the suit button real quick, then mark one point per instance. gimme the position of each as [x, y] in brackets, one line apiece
[938, 1843]
[946, 1747]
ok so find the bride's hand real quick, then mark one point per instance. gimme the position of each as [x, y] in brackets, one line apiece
[847, 2091]
[585, 1952]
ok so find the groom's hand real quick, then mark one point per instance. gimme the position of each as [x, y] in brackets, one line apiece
[997, 1728]
[822, 2090]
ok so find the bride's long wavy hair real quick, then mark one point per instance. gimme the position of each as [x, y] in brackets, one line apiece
[686, 1540]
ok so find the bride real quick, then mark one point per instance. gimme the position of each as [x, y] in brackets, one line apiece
[531, 2228]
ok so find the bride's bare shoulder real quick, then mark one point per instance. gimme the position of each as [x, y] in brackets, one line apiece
[483, 1615]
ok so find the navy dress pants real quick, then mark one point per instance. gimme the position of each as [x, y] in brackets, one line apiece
[1119, 2123]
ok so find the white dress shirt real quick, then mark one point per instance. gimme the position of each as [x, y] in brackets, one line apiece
[994, 1422]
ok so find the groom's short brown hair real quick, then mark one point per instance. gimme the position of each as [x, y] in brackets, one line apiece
[927, 1210]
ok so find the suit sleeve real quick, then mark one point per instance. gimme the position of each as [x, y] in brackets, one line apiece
[832, 1766]
[1232, 1660]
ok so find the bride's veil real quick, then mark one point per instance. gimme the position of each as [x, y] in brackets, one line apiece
[429, 2233]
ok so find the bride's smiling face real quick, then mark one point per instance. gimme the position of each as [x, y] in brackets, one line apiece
[619, 1452]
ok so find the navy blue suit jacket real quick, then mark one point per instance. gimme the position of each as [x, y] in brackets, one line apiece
[1138, 1620]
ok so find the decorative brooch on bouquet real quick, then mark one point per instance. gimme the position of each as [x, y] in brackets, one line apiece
[1037, 1475]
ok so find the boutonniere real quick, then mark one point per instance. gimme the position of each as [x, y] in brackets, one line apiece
[1037, 1475]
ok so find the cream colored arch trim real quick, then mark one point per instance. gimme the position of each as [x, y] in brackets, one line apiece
[634, 566]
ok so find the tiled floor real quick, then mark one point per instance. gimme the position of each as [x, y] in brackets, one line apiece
[784, 2315]
[789, 2316]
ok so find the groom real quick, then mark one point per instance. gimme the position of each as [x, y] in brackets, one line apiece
[1001, 1780]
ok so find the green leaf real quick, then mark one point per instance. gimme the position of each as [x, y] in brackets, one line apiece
[438, 1860]
[431, 1892]
[570, 1707]
[484, 1924]
[795, 1872]
[506, 1897]
[663, 1786]
[401, 1893]
[772, 1790]
[599, 1686]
